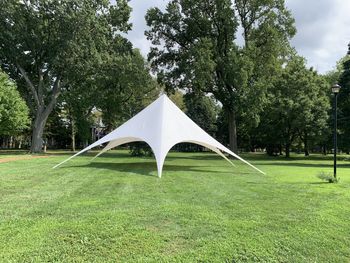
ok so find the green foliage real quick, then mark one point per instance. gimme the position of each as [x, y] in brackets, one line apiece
[200, 53]
[178, 98]
[125, 87]
[140, 149]
[48, 46]
[298, 106]
[328, 177]
[13, 109]
[194, 45]
[267, 28]
[57, 132]
[344, 104]
[202, 110]
[333, 76]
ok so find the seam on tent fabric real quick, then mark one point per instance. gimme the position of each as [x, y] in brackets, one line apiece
[162, 124]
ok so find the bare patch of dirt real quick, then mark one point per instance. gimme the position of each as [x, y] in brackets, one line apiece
[17, 158]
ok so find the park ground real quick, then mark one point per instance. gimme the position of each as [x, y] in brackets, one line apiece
[115, 209]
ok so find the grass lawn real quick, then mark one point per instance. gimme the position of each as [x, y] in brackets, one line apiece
[202, 209]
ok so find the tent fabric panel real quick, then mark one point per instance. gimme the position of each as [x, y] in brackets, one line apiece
[115, 143]
[161, 125]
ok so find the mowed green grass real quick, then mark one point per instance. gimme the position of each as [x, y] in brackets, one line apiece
[115, 209]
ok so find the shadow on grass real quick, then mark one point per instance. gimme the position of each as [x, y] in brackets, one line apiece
[125, 154]
[292, 164]
[258, 157]
[69, 153]
[150, 168]
[201, 156]
[14, 152]
[320, 183]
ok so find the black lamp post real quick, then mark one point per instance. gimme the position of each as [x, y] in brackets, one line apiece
[335, 91]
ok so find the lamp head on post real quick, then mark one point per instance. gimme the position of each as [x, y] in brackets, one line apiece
[335, 89]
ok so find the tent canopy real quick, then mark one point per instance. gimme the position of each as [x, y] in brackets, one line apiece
[161, 125]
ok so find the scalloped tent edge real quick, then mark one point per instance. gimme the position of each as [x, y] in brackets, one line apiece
[161, 125]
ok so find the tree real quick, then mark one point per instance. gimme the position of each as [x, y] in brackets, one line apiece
[298, 107]
[126, 87]
[78, 108]
[199, 51]
[44, 42]
[80, 96]
[178, 98]
[13, 109]
[267, 28]
[314, 126]
[344, 103]
[57, 132]
[332, 77]
[202, 110]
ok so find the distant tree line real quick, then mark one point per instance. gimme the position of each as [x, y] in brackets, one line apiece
[69, 75]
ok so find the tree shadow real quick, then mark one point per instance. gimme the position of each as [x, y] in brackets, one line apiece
[203, 156]
[171, 156]
[13, 152]
[70, 153]
[319, 183]
[93, 153]
[292, 164]
[150, 168]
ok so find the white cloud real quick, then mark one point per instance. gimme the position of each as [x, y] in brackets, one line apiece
[323, 30]
[136, 35]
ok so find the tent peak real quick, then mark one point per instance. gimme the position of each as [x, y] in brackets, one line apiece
[164, 97]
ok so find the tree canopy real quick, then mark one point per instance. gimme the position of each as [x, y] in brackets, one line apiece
[297, 107]
[344, 102]
[200, 52]
[45, 42]
[13, 109]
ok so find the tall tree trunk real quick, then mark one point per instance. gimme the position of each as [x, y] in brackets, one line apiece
[306, 144]
[6, 142]
[38, 130]
[73, 134]
[11, 142]
[287, 150]
[324, 149]
[42, 111]
[232, 129]
[93, 135]
[39, 124]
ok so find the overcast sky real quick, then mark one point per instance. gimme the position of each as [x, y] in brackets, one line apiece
[323, 29]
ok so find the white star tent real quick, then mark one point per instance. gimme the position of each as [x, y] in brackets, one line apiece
[161, 125]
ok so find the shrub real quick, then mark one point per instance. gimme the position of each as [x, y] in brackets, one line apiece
[328, 177]
[140, 149]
